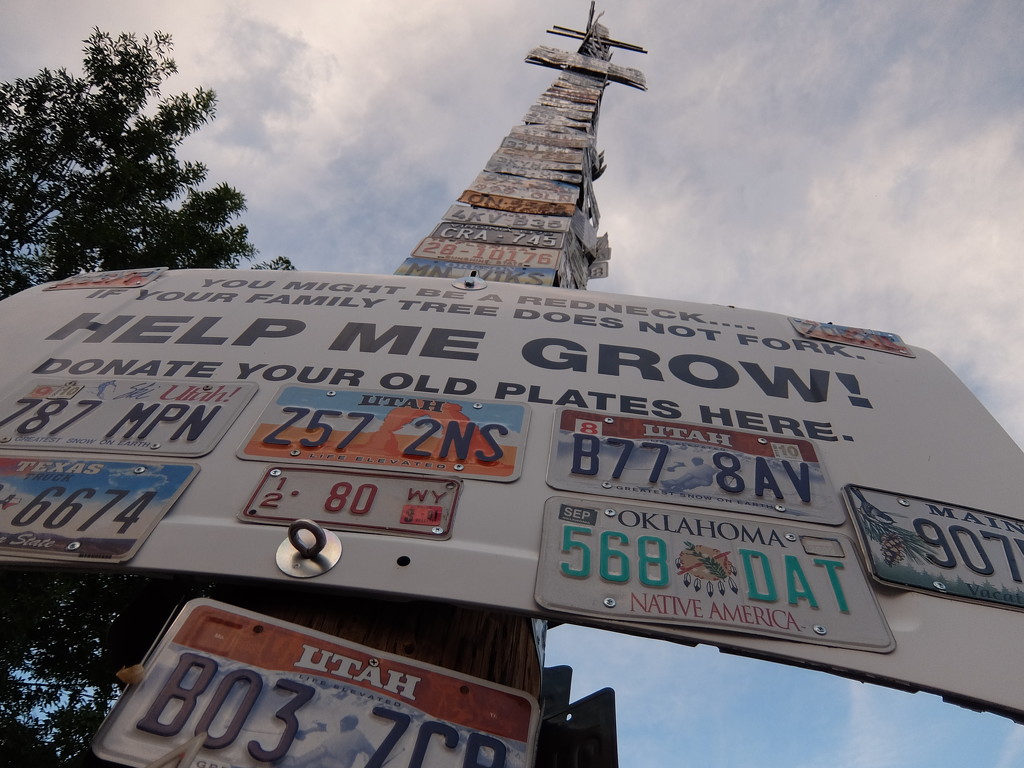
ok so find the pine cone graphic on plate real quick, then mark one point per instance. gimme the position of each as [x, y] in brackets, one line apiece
[893, 549]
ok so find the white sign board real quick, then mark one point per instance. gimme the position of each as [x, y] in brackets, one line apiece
[671, 443]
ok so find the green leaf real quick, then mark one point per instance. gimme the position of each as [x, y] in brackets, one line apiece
[89, 176]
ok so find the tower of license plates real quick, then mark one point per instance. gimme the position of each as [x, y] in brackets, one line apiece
[530, 216]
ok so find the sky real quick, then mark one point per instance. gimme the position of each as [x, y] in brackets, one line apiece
[860, 163]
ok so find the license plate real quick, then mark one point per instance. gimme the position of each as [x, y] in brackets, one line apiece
[121, 278]
[385, 431]
[692, 464]
[485, 254]
[267, 692]
[553, 136]
[559, 59]
[514, 204]
[721, 572]
[941, 548]
[396, 504]
[527, 189]
[484, 216]
[488, 273]
[541, 115]
[482, 236]
[66, 508]
[532, 170]
[121, 415]
[567, 105]
[883, 341]
[549, 151]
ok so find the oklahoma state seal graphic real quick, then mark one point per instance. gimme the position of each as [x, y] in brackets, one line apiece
[706, 567]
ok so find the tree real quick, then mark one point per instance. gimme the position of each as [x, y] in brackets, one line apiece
[89, 179]
[65, 637]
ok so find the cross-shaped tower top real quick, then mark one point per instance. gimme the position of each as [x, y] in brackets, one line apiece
[595, 39]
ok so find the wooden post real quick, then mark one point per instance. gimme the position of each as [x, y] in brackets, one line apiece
[498, 647]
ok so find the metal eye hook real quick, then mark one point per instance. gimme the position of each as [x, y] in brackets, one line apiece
[297, 557]
[308, 551]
